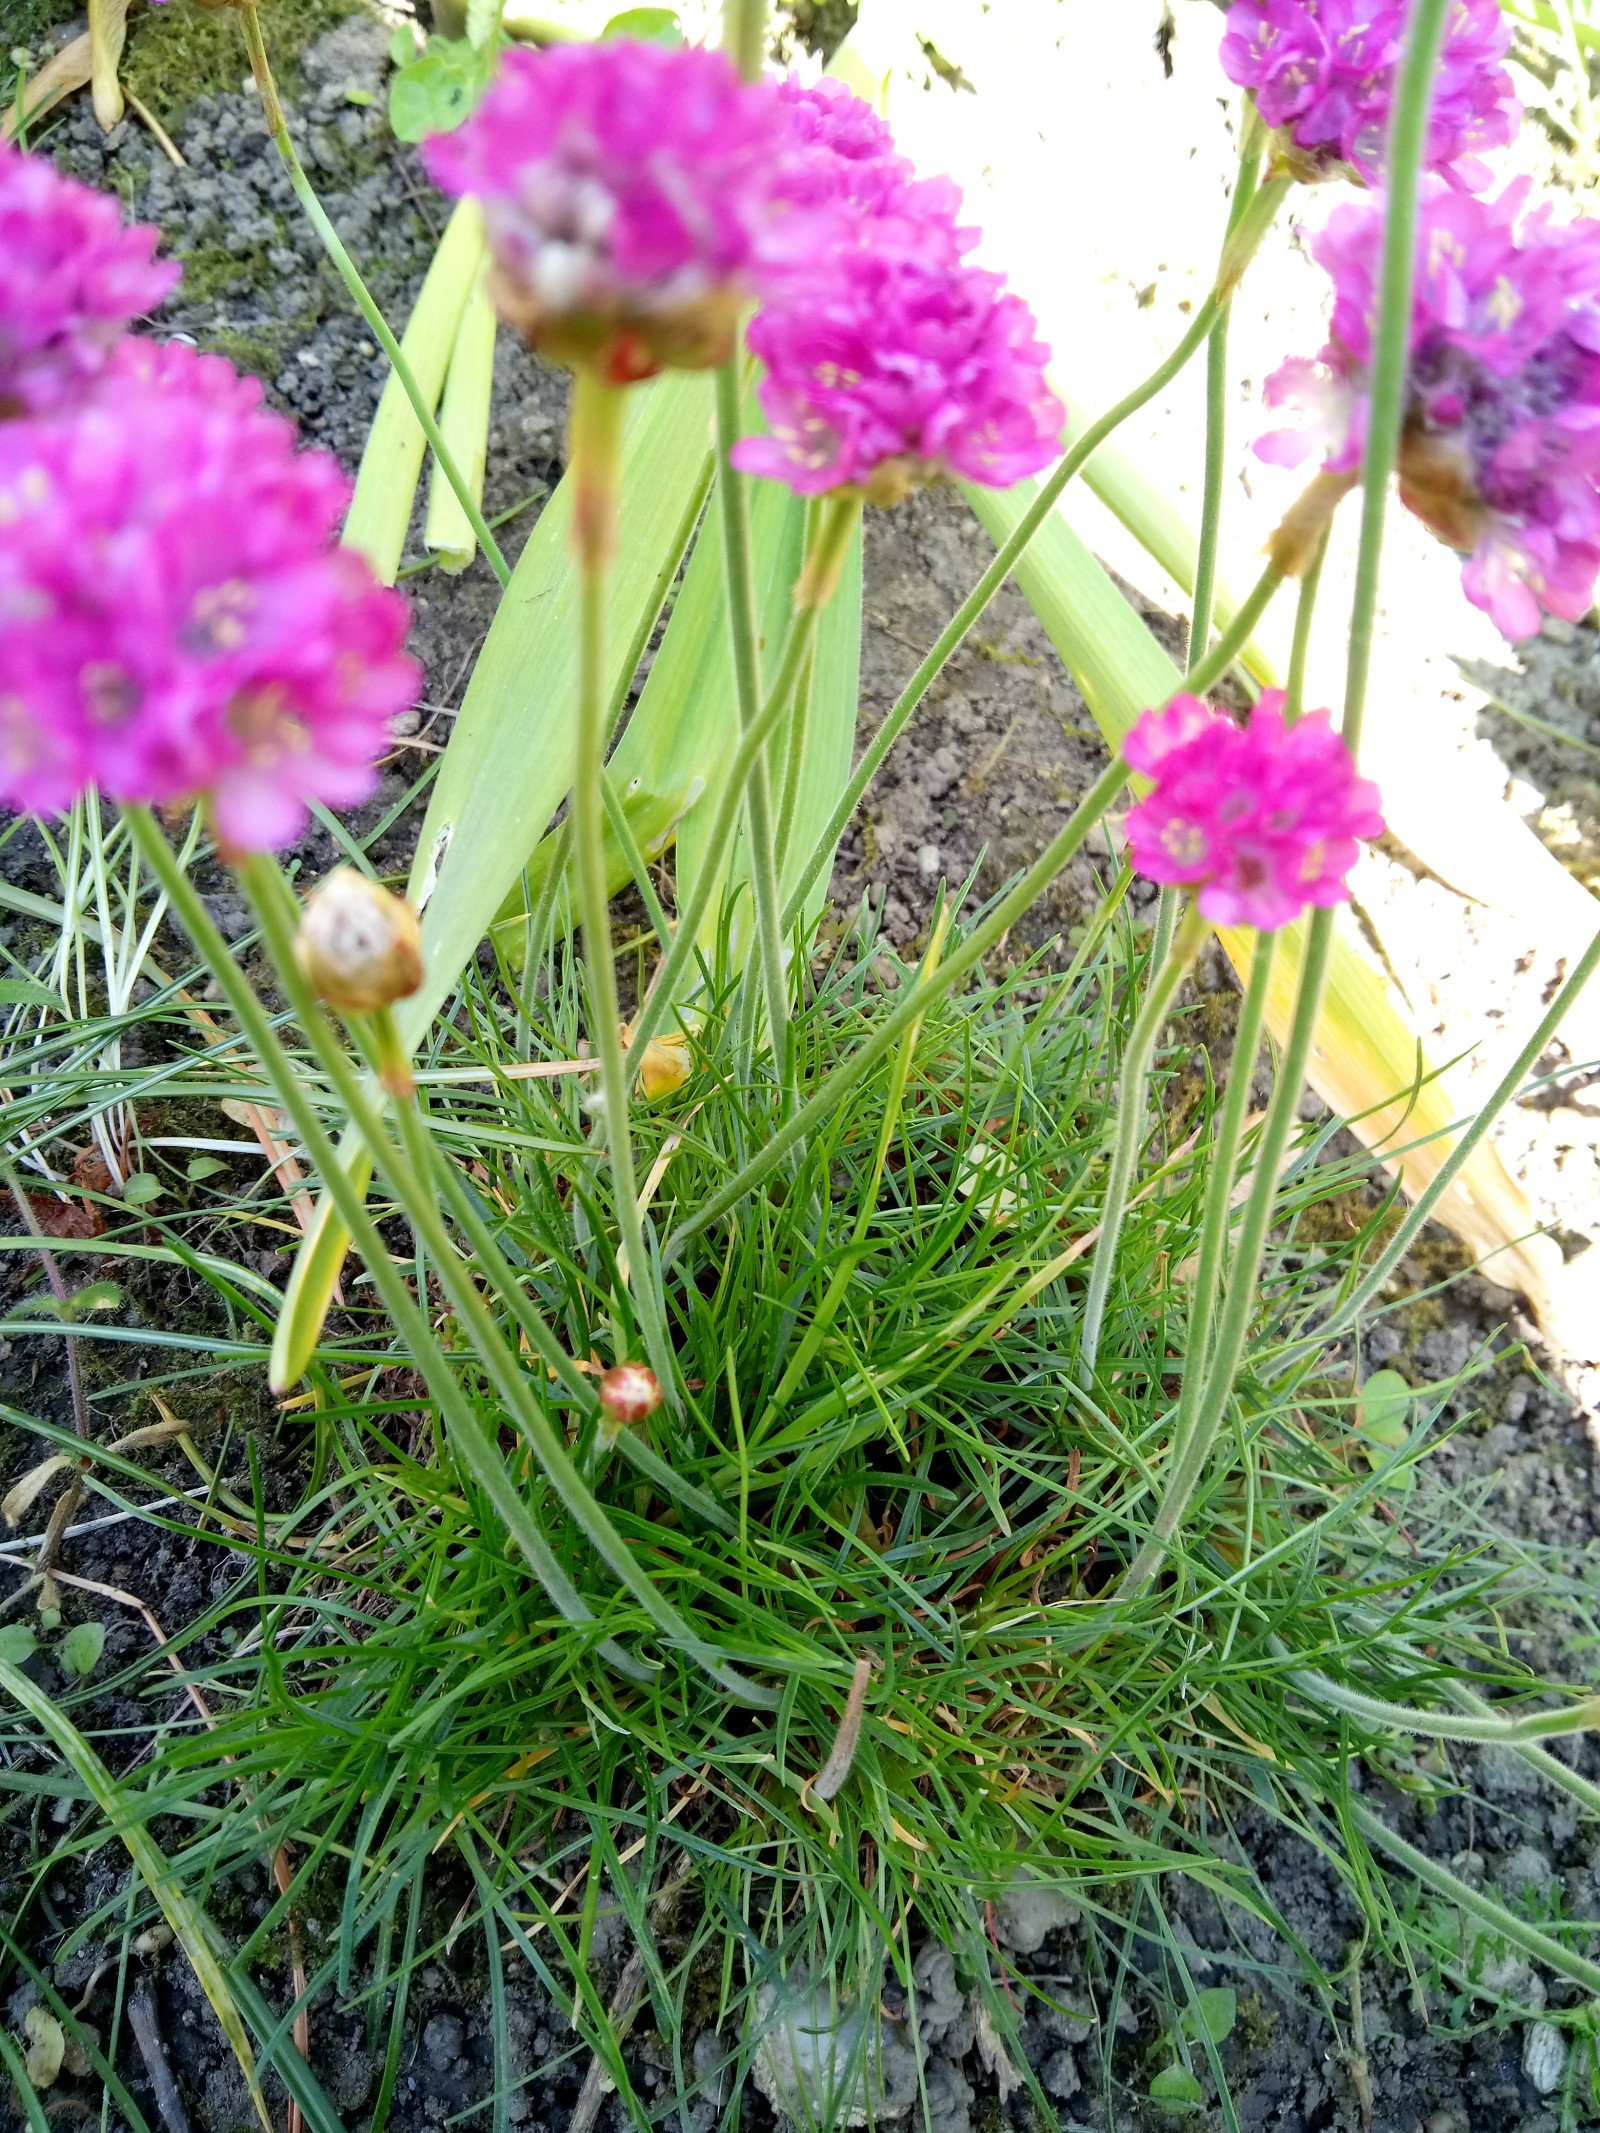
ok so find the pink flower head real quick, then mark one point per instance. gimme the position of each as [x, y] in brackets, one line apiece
[177, 618]
[841, 185]
[1322, 72]
[896, 371]
[623, 186]
[1500, 454]
[71, 278]
[1261, 819]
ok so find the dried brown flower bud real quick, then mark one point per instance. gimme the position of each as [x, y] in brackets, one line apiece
[628, 1393]
[359, 945]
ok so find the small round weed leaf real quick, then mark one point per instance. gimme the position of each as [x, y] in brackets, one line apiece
[81, 1648]
[1175, 2089]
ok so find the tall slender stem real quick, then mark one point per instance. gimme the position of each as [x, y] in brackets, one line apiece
[597, 417]
[407, 1170]
[835, 530]
[1407, 138]
[740, 598]
[1408, 134]
[744, 35]
[1131, 1114]
[466, 1432]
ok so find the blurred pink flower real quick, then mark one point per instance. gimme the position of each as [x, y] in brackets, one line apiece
[177, 617]
[71, 278]
[1500, 454]
[1261, 820]
[841, 185]
[624, 186]
[895, 371]
[1323, 71]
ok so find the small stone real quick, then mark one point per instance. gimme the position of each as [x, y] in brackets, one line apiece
[1061, 2076]
[927, 861]
[1544, 2056]
[442, 2040]
[1526, 1868]
[1029, 1911]
[820, 2061]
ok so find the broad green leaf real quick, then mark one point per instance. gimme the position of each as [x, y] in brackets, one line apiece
[1212, 2014]
[648, 25]
[141, 1189]
[1367, 1062]
[118, 1802]
[81, 1648]
[25, 992]
[97, 1296]
[391, 463]
[1176, 2089]
[509, 763]
[203, 1166]
[1383, 1414]
[433, 94]
[17, 1642]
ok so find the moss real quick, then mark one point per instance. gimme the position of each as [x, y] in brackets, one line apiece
[178, 53]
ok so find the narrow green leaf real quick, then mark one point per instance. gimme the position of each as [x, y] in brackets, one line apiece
[464, 425]
[386, 484]
[190, 1926]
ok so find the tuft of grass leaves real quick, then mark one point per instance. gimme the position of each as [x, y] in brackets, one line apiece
[886, 1494]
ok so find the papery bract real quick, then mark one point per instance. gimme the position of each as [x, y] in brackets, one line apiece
[177, 616]
[71, 279]
[1261, 819]
[1500, 453]
[896, 371]
[1323, 72]
[624, 186]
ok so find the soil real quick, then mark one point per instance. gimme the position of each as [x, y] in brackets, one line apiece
[1002, 747]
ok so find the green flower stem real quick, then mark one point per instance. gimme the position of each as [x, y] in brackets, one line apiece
[1205, 569]
[921, 996]
[1507, 1925]
[597, 417]
[1408, 134]
[835, 532]
[1132, 1110]
[1253, 226]
[1480, 1725]
[1300, 650]
[408, 1171]
[468, 1438]
[740, 599]
[1350, 1310]
[1191, 1447]
[1550, 1767]
[350, 274]
[794, 758]
[1217, 1214]
[744, 35]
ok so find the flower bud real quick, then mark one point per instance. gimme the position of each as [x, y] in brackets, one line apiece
[628, 1393]
[664, 1067]
[359, 945]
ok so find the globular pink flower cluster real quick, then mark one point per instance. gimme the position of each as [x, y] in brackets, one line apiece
[899, 371]
[1323, 72]
[177, 618]
[71, 279]
[1262, 819]
[624, 187]
[889, 362]
[1500, 453]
